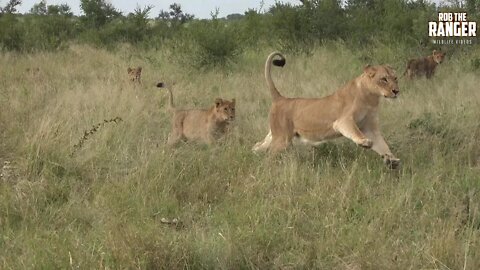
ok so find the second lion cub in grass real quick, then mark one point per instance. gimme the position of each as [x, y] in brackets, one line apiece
[424, 66]
[204, 125]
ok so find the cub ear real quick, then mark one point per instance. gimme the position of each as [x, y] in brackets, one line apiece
[434, 51]
[370, 70]
[129, 70]
[139, 69]
[218, 102]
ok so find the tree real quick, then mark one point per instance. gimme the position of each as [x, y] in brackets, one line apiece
[98, 12]
[62, 9]
[176, 15]
[40, 8]
[473, 6]
[11, 6]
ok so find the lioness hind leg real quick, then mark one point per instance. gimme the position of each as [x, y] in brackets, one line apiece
[280, 144]
[263, 145]
[174, 138]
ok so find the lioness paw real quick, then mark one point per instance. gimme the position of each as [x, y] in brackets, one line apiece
[391, 162]
[366, 143]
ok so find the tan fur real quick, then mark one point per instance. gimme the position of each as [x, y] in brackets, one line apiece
[424, 66]
[351, 111]
[204, 125]
[134, 74]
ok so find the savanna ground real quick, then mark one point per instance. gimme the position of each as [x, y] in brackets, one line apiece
[332, 207]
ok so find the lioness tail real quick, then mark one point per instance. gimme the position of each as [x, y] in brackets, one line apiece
[268, 76]
[170, 107]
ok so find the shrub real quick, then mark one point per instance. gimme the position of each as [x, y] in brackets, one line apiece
[209, 44]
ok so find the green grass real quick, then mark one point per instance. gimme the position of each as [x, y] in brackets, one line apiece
[333, 207]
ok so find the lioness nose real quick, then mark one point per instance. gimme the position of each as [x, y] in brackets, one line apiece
[396, 91]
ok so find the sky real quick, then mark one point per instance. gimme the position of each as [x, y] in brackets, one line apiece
[199, 8]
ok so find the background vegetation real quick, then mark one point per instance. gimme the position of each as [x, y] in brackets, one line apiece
[106, 204]
[218, 41]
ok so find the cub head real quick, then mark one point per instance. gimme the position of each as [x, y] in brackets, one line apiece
[382, 80]
[224, 110]
[134, 73]
[438, 56]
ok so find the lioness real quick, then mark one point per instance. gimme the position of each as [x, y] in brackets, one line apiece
[134, 74]
[206, 125]
[424, 66]
[351, 111]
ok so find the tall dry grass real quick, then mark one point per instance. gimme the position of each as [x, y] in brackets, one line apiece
[332, 207]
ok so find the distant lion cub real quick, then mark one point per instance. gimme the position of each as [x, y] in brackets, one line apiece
[205, 125]
[134, 74]
[424, 66]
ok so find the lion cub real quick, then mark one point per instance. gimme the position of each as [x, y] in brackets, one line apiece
[134, 74]
[205, 125]
[424, 66]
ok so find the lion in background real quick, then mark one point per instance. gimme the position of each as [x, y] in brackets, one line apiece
[204, 125]
[351, 111]
[135, 74]
[424, 66]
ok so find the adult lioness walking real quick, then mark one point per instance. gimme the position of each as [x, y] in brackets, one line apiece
[351, 111]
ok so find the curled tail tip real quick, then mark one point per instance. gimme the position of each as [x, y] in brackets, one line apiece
[279, 62]
[161, 85]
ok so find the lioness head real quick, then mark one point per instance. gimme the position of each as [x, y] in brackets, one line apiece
[224, 110]
[382, 80]
[438, 56]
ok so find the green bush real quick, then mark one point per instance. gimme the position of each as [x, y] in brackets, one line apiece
[12, 33]
[206, 45]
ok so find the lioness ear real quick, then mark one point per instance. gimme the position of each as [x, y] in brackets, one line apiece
[369, 70]
[390, 68]
[218, 102]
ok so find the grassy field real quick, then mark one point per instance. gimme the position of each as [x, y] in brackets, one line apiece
[337, 206]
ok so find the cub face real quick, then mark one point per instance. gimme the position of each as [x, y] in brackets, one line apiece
[224, 110]
[134, 74]
[438, 56]
[383, 80]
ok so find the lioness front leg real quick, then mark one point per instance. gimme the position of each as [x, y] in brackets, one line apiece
[348, 128]
[380, 146]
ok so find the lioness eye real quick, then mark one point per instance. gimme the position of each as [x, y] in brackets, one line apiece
[384, 79]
